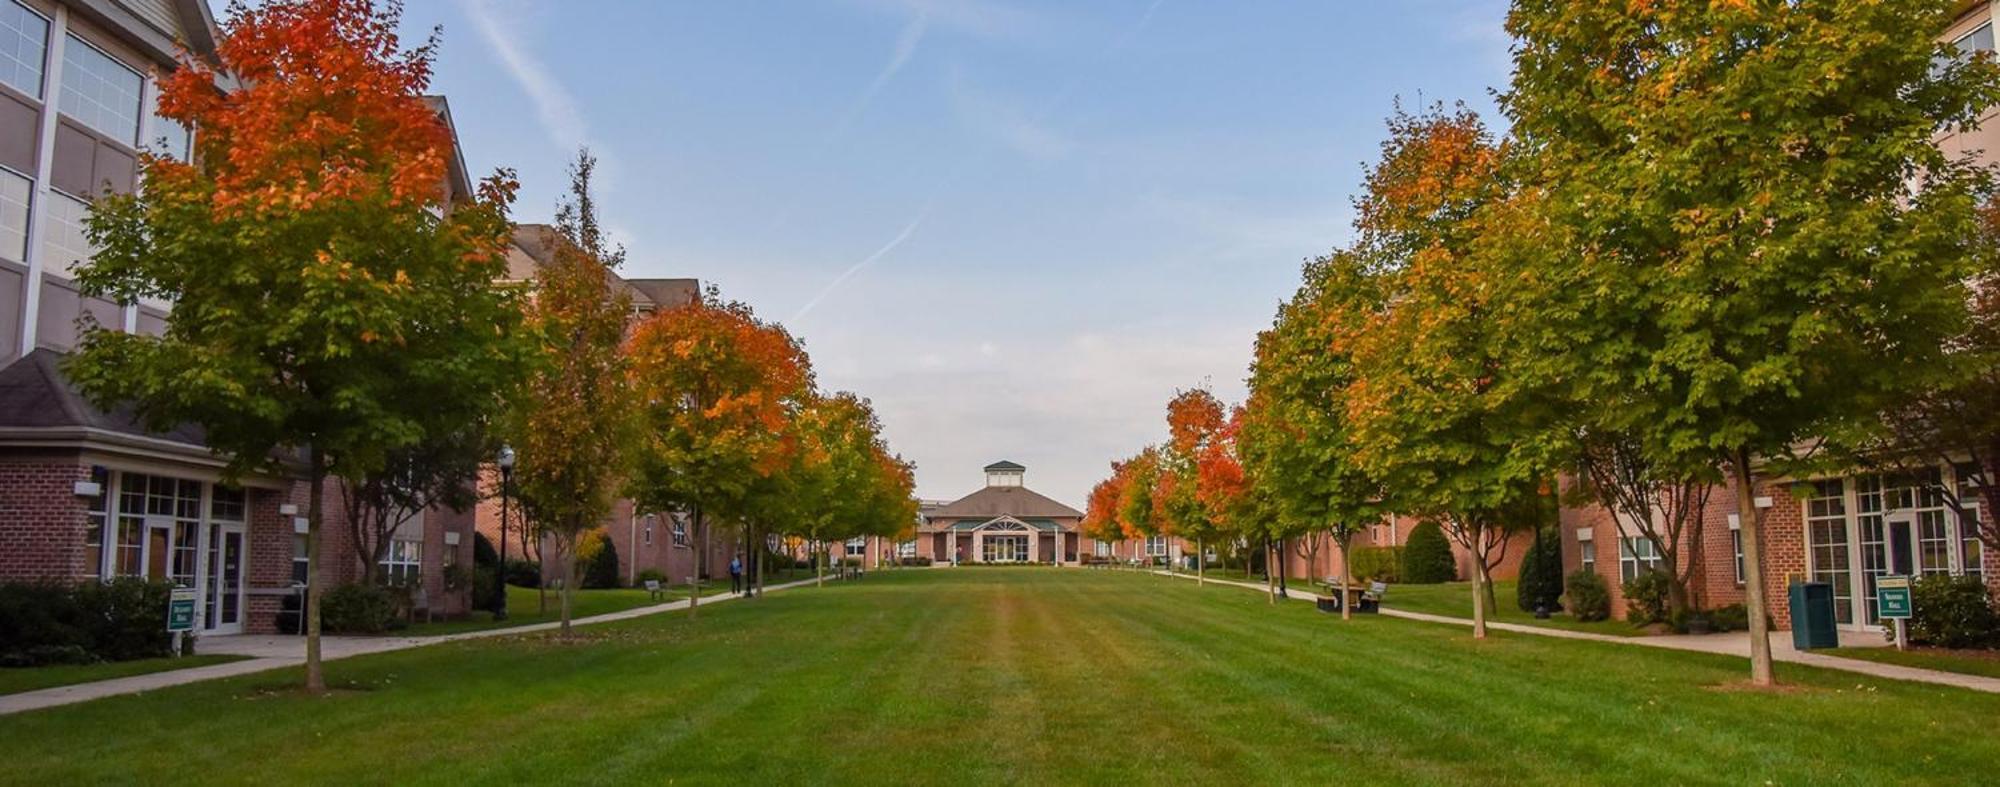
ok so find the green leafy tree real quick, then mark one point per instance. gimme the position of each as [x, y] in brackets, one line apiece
[571, 424]
[327, 305]
[1773, 247]
[1297, 442]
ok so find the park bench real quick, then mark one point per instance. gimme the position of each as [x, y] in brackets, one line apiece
[1365, 600]
[654, 590]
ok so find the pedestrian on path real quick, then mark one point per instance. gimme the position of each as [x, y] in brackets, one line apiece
[736, 574]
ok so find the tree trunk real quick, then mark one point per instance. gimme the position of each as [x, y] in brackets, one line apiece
[1346, 577]
[1479, 597]
[1486, 585]
[315, 568]
[1270, 586]
[1200, 564]
[694, 582]
[819, 566]
[1753, 571]
[569, 585]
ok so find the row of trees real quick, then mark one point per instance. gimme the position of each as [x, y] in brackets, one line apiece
[1717, 243]
[338, 316]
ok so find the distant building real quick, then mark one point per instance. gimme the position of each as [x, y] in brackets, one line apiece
[1004, 522]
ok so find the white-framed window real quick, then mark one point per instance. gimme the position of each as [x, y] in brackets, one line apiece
[1979, 40]
[1826, 544]
[1636, 555]
[403, 564]
[170, 138]
[64, 243]
[1970, 550]
[100, 92]
[647, 526]
[14, 198]
[906, 549]
[856, 547]
[1104, 549]
[1736, 541]
[1586, 555]
[301, 559]
[97, 512]
[679, 530]
[1156, 546]
[24, 44]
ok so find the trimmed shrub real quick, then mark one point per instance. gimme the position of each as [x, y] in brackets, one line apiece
[524, 573]
[483, 553]
[924, 561]
[1589, 598]
[1541, 580]
[358, 609]
[600, 568]
[1953, 612]
[1734, 617]
[1646, 598]
[1427, 558]
[1383, 564]
[54, 623]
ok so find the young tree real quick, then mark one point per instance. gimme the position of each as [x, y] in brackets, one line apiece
[439, 471]
[1774, 246]
[718, 391]
[1195, 421]
[1298, 441]
[1100, 515]
[572, 423]
[1452, 430]
[1137, 517]
[317, 280]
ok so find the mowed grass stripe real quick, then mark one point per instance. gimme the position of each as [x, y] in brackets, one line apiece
[1028, 676]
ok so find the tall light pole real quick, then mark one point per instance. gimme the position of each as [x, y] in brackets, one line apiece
[506, 462]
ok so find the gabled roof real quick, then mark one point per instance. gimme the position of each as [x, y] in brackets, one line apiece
[994, 501]
[35, 396]
[1004, 465]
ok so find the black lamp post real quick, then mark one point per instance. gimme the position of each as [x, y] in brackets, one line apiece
[506, 462]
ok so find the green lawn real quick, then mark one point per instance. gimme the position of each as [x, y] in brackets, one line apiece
[524, 605]
[1985, 663]
[16, 680]
[1028, 676]
[1455, 599]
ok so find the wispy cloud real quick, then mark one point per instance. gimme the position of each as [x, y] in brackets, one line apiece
[906, 46]
[1018, 127]
[908, 230]
[978, 18]
[555, 109]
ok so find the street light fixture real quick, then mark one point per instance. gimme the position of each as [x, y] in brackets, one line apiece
[506, 462]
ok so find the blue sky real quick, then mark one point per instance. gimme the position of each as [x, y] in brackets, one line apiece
[1017, 227]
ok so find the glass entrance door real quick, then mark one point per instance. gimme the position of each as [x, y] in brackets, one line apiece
[223, 585]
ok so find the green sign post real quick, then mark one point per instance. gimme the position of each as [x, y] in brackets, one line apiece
[1893, 602]
[180, 614]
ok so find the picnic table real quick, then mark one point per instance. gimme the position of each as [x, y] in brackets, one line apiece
[1364, 599]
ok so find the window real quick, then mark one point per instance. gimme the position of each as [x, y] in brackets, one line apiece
[402, 565]
[226, 504]
[906, 549]
[649, 520]
[14, 191]
[96, 514]
[170, 138]
[1979, 40]
[1104, 549]
[301, 560]
[1736, 539]
[1636, 555]
[1156, 546]
[1826, 544]
[63, 240]
[680, 530]
[1586, 555]
[130, 546]
[100, 92]
[856, 547]
[24, 42]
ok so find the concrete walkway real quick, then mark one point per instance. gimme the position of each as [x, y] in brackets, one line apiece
[1730, 644]
[269, 652]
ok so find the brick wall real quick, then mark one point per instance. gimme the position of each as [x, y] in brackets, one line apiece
[269, 560]
[42, 520]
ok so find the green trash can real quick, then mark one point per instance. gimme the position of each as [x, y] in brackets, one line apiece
[1813, 623]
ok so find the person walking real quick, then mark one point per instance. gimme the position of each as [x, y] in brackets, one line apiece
[736, 574]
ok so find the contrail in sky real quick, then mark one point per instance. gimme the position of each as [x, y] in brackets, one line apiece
[865, 262]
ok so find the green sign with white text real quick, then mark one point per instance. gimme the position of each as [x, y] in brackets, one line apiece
[180, 610]
[1892, 598]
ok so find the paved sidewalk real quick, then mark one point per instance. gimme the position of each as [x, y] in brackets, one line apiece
[268, 652]
[1733, 644]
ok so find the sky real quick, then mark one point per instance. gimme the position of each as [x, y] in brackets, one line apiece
[1017, 227]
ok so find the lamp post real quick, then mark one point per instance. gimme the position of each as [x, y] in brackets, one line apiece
[506, 462]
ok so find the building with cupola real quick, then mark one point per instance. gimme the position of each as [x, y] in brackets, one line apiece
[1003, 522]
